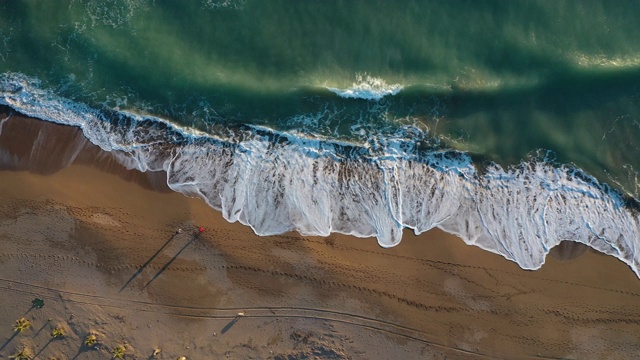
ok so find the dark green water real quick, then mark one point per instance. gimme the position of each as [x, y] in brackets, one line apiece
[503, 81]
[502, 78]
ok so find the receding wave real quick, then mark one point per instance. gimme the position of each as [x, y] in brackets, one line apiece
[367, 87]
[277, 182]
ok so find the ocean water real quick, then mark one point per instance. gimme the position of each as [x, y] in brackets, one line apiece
[513, 124]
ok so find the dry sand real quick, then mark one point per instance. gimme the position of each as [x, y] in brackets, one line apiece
[76, 230]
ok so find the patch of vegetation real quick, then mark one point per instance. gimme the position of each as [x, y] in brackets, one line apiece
[21, 325]
[118, 352]
[37, 303]
[57, 333]
[24, 354]
[90, 340]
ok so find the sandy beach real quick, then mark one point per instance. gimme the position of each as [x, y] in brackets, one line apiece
[101, 245]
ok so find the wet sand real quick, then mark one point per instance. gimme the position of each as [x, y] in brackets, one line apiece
[98, 243]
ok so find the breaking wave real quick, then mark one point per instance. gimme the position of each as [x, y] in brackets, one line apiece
[277, 182]
[368, 88]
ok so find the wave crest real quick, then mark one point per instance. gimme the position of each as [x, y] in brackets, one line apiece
[368, 87]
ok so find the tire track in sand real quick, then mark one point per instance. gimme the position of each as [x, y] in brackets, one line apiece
[229, 313]
[289, 275]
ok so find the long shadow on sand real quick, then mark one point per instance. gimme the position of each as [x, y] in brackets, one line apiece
[42, 348]
[80, 351]
[83, 349]
[15, 333]
[41, 328]
[28, 310]
[195, 236]
[229, 325]
[141, 269]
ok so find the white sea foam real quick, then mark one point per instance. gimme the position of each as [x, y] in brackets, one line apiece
[216, 4]
[367, 87]
[112, 13]
[317, 187]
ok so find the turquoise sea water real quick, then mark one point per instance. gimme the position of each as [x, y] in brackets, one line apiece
[513, 124]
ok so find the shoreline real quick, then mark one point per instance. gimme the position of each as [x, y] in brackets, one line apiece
[568, 203]
[70, 207]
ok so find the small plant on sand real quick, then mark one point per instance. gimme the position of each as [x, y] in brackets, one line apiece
[21, 325]
[37, 303]
[24, 354]
[90, 340]
[118, 352]
[57, 333]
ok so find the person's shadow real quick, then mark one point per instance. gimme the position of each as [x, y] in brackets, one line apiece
[231, 323]
[141, 269]
[195, 236]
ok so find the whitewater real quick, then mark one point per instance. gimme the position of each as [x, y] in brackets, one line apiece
[367, 87]
[276, 182]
